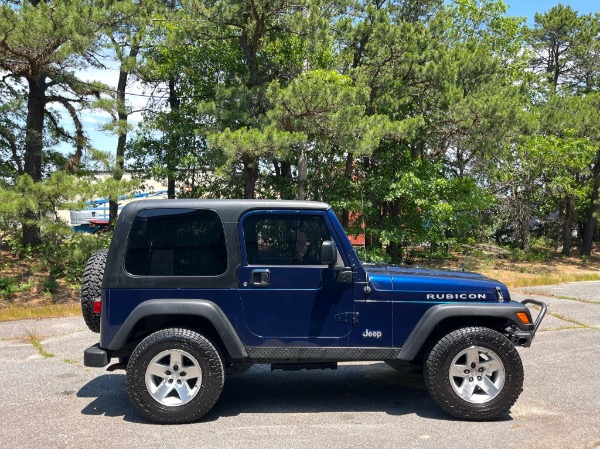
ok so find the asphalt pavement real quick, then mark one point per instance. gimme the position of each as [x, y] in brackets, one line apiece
[53, 401]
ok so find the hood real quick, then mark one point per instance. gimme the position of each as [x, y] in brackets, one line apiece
[440, 286]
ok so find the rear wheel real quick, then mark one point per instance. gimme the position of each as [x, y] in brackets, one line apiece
[474, 373]
[91, 288]
[174, 376]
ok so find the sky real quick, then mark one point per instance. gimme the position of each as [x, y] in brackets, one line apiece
[103, 141]
[528, 8]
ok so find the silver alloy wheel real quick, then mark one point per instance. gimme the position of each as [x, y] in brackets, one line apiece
[477, 375]
[173, 377]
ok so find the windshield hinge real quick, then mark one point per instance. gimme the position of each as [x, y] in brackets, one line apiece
[345, 276]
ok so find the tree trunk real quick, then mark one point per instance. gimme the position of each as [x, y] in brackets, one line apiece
[348, 175]
[302, 174]
[590, 225]
[250, 175]
[35, 128]
[122, 116]
[523, 233]
[113, 205]
[174, 104]
[286, 170]
[170, 187]
[33, 152]
[568, 226]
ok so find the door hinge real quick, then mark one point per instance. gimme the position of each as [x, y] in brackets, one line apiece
[347, 317]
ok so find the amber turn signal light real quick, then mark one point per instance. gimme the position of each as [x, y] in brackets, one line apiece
[523, 317]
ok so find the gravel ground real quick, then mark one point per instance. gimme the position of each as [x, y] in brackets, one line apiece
[55, 401]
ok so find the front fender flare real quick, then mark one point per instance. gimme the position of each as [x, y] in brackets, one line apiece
[440, 312]
[191, 307]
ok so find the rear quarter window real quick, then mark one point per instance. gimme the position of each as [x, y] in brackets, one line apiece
[176, 242]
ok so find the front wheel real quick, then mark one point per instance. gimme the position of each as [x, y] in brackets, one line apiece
[174, 376]
[474, 373]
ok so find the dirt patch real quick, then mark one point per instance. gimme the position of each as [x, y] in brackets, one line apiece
[23, 281]
[556, 270]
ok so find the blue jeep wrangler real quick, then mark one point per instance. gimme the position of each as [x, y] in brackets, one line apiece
[193, 290]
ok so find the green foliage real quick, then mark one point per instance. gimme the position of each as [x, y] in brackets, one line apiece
[540, 250]
[62, 252]
[421, 205]
[65, 254]
[374, 255]
[438, 124]
[8, 287]
[42, 44]
[66, 27]
[266, 142]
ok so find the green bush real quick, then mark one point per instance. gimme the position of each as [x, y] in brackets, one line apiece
[65, 255]
[8, 287]
[540, 250]
[373, 254]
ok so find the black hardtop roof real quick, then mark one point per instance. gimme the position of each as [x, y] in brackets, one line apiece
[228, 208]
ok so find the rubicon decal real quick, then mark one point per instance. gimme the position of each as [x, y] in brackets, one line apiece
[443, 296]
[372, 334]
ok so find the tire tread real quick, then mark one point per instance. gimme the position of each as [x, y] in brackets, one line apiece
[436, 376]
[91, 288]
[212, 379]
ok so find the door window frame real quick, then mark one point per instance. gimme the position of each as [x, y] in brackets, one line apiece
[322, 214]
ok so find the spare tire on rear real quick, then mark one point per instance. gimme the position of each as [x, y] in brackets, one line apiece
[91, 288]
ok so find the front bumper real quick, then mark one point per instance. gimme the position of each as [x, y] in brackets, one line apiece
[95, 357]
[524, 338]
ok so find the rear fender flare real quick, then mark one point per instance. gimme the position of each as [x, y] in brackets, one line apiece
[191, 307]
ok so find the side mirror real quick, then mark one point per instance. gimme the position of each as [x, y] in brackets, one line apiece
[328, 252]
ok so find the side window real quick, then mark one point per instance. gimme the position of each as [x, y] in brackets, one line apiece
[176, 242]
[284, 239]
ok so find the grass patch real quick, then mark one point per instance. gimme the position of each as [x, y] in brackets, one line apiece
[518, 279]
[568, 298]
[15, 312]
[34, 340]
[562, 328]
[70, 361]
[569, 320]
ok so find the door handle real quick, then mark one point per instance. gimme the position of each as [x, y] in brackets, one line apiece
[261, 277]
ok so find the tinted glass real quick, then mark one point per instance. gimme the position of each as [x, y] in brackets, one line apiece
[284, 239]
[176, 242]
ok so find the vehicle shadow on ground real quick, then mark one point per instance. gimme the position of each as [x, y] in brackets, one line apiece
[110, 398]
[350, 388]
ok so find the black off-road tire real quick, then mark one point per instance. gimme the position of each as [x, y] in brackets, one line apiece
[197, 351]
[446, 355]
[91, 287]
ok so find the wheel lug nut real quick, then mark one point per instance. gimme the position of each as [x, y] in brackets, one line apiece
[179, 381]
[170, 381]
[175, 368]
[473, 365]
[467, 371]
[470, 379]
[478, 377]
[183, 373]
[168, 373]
[481, 370]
